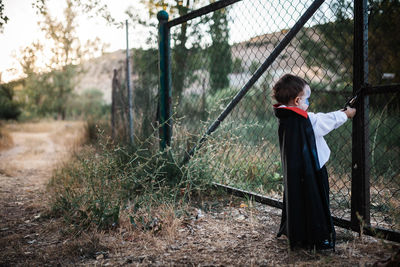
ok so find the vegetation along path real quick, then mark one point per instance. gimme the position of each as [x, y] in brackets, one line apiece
[219, 230]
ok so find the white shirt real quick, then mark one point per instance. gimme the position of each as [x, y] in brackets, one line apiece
[322, 124]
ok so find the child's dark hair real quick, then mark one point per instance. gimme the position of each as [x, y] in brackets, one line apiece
[288, 87]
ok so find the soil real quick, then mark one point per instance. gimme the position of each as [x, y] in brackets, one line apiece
[27, 236]
[219, 231]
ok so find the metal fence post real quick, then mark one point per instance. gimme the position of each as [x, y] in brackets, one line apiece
[114, 88]
[165, 92]
[128, 81]
[360, 187]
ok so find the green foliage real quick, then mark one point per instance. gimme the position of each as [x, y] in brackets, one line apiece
[333, 50]
[88, 105]
[329, 52]
[254, 66]
[217, 102]
[183, 65]
[47, 93]
[383, 45]
[65, 54]
[220, 63]
[185, 61]
[237, 66]
[240, 162]
[180, 56]
[9, 108]
[146, 88]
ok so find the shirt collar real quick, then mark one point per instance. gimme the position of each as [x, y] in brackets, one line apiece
[294, 109]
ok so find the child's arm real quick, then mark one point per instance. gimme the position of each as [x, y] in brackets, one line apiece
[323, 123]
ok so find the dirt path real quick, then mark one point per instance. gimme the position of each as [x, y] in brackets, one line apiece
[228, 231]
[25, 169]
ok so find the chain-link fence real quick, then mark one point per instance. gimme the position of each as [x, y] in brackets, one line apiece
[384, 109]
[144, 77]
[384, 155]
[234, 43]
[119, 105]
[215, 55]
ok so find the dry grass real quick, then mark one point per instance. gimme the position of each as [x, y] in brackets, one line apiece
[231, 232]
[214, 230]
[164, 222]
[6, 140]
[27, 236]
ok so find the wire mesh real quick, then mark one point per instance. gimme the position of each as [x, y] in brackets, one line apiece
[144, 79]
[384, 119]
[224, 49]
[214, 55]
[384, 154]
[119, 105]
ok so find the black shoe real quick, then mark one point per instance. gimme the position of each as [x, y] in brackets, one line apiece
[324, 245]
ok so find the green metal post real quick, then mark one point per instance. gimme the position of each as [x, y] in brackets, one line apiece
[165, 92]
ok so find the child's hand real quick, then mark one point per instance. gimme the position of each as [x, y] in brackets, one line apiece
[350, 112]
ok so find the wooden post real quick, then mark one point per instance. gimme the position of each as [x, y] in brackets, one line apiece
[128, 81]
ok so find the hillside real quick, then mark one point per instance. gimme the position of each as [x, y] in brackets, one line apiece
[98, 73]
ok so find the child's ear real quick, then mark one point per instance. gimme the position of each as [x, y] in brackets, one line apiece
[297, 101]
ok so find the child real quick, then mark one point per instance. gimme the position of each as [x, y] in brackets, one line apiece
[306, 218]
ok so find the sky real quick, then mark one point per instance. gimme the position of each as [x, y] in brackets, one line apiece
[22, 29]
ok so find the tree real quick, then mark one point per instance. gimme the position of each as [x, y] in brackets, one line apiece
[146, 88]
[220, 63]
[89, 105]
[38, 100]
[9, 108]
[182, 56]
[383, 44]
[333, 50]
[49, 90]
[89, 7]
[323, 48]
[3, 18]
[57, 84]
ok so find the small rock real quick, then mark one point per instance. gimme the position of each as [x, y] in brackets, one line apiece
[100, 257]
[199, 214]
[241, 217]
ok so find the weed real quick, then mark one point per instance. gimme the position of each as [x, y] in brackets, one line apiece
[106, 180]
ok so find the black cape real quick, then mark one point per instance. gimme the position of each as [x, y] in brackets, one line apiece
[306, 218]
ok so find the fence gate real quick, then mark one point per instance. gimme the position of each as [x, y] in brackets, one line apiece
[221, 60]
